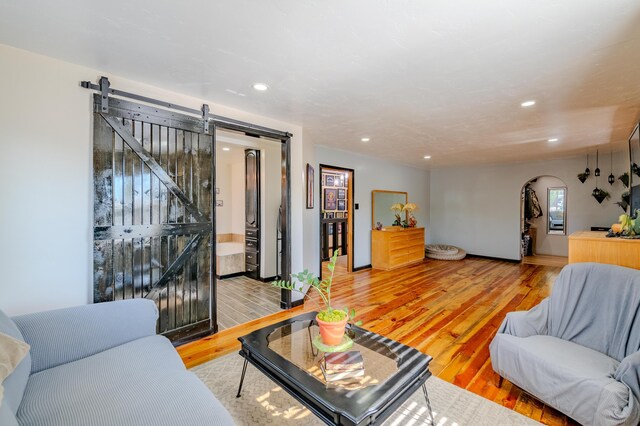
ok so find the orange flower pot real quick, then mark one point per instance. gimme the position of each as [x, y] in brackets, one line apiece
[332, 332]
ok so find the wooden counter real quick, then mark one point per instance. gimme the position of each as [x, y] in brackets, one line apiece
[592, 246]
[396, 247]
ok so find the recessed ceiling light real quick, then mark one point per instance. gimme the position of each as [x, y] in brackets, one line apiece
[365, 139]
[552, 140]
[260, 86]
[528, 103]
[226, 149]
[426, 157]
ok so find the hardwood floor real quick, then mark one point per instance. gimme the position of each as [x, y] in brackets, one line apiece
[242, 299]
[449, 310]
[545, 259]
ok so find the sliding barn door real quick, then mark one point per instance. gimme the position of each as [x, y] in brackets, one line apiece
[153, 214]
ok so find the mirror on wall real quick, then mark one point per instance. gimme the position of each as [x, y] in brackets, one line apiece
[381, 202]
[634, 173]
[557, 211]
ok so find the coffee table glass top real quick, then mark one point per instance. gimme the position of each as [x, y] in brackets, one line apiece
[285, 352]
[294, 343]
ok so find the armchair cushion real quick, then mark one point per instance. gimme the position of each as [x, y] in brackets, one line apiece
[65, 335]
[578, 380]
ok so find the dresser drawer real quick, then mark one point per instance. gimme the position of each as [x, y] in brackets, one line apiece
[416, 252]
[252, 271]
[251, 244]
[252, 257]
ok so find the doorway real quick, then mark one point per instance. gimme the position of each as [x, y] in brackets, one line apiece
[336, 218]
[543, 222]
[249, 244]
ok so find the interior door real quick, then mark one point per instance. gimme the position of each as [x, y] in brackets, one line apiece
[153, 214]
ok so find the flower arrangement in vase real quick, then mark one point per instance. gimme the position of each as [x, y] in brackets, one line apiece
[397, 208]
[410, 208]
[332, 322]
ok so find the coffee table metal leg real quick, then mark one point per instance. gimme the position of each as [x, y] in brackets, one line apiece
[244, 370]
[314, 353]
[426, 396]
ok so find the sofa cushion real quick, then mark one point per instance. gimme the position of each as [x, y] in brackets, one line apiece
[15, 384]
[143, 382]
[572, 378]
[7, 418]
[64, 335]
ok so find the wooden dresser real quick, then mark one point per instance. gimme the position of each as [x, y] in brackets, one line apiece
[396, 247]
[594, 246]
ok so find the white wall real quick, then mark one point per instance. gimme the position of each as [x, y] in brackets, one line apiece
[237, 196]
[478, 208]
[46, 144]
[227, 165]
[550, 244]
[369, 174]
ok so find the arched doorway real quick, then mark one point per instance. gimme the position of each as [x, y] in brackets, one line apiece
[543, 221]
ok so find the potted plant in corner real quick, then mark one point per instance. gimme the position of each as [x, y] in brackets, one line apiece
[332, 322]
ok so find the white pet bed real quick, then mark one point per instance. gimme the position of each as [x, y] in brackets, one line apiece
[444, 252]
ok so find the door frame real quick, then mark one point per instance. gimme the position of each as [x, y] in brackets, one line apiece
[350, 209]
[285, 191]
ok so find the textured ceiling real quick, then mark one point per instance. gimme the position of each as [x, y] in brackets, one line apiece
[439, 78]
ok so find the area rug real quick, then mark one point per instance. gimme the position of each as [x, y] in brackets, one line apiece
[264, 403]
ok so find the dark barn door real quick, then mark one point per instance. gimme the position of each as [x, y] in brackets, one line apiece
[153, 214]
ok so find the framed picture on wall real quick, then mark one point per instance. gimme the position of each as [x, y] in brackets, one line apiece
[342, 205]
[329, 215]
[330, 199]
[328, 180]
[339, 215]
[337, 181]
[310, 186]
[342, 194]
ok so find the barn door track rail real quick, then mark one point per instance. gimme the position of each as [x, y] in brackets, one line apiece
[104, 87]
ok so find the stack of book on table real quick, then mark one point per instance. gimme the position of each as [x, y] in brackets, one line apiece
[341, 366]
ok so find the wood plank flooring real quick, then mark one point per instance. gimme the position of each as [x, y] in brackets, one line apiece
[545, 259]
[242, 299]
[449, 310]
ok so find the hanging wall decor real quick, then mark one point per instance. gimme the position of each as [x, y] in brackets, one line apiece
[624, 201]
[596, 172]
[599, 194]
[611, 179]
[624, 178]
[587, 171]
[582, 177]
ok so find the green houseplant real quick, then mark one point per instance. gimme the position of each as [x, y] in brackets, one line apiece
[332, 322]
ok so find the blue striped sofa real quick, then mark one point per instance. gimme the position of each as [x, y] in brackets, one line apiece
[102, 364]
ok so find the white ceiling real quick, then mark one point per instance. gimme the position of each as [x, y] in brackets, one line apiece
[443, 78]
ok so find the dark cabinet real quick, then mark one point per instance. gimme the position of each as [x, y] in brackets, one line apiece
[252, 213]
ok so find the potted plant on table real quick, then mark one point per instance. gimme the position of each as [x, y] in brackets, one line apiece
[332, 322]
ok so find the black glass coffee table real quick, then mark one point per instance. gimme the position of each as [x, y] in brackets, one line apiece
[285, 353]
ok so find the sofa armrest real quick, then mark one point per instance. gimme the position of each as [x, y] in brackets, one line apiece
[628, 372]
[527, 323]
[65, 335]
